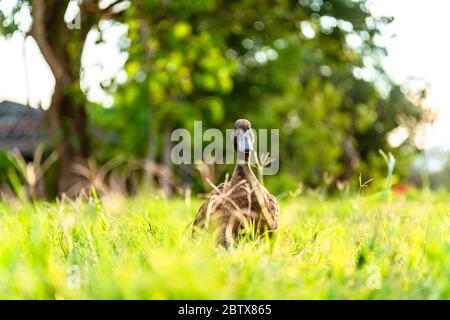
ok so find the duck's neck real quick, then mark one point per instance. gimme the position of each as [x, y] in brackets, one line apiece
[243, 172]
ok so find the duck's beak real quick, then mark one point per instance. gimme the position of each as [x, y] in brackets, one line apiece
[245, 143]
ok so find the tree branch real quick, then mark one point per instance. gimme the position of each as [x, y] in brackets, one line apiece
[39, 33]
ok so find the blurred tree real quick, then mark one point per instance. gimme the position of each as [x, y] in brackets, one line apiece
[309, 67]
[177, 73]
[312, 68]
[60, 29]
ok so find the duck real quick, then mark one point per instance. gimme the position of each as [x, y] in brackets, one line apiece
[241, 204]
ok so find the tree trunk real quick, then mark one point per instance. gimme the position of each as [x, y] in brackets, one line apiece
[67, 120]
[68, 124]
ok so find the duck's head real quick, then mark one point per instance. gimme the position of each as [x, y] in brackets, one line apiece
[243, 137]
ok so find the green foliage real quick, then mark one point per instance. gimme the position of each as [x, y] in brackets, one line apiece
[141, 248]
[310, 68]
[217, 61]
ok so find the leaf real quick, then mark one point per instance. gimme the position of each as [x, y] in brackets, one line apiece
[182, 30]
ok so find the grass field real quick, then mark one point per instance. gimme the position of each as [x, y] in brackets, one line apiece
[140, 248]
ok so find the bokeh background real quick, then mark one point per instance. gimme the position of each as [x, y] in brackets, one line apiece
[90, 91]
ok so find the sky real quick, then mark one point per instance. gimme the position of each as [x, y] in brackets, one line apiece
[417, 44]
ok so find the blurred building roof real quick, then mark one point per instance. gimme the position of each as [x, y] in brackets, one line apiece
[20, 127]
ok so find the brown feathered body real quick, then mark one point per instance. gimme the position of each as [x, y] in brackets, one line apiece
[241, 204]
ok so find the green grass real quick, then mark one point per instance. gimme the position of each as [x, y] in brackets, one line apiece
[140, 248]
